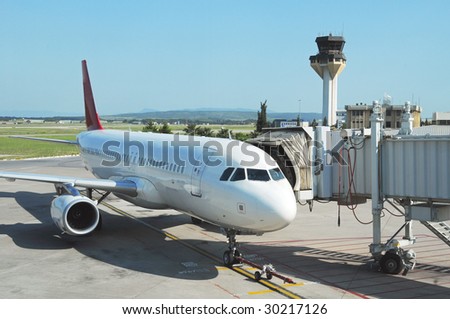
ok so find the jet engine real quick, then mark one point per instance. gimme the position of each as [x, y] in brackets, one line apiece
[75, 215]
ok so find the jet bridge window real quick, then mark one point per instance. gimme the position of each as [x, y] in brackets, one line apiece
[239, 175]
[226, 173]
[258, 175]
[276, 174]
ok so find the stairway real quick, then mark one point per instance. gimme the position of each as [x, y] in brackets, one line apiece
[440, 229]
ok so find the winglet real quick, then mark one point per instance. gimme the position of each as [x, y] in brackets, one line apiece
[92, 119]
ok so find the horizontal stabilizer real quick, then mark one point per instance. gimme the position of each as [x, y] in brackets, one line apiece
[44, 139]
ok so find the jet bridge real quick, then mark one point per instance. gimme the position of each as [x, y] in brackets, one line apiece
[292, 149]
[408, 170]
[397, 168]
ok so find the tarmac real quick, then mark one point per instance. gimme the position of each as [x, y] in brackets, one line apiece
[140, 253]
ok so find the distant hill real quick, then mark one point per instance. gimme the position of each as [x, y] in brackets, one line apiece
[210, 116]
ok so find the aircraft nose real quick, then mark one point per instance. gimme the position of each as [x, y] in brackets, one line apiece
[280, 210]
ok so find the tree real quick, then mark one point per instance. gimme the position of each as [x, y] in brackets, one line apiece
[253, 134]
[205, 131]
[242, 136]
[224, 132]
[262, 117]
[325, 121]
[165, 128]
[191, 129]
[150, 127]
[314, 123]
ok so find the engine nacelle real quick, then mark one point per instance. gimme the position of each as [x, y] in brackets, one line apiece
[75, 215]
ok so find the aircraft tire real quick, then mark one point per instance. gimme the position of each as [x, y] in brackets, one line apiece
[228, 258]
[391, 263]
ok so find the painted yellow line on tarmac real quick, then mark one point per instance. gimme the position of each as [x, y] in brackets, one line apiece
[281, 290]
[298, 284]
[222, 268]
[268, 284]
[261, 292]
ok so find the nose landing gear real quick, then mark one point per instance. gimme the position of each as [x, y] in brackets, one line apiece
[233, 256]
[230, 257]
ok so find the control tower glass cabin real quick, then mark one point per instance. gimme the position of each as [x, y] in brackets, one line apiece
[328, 64]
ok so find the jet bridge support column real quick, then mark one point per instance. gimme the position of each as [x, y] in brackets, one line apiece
[391, 256]
[377, 205]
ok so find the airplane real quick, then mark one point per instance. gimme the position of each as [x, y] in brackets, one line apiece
[225, 182]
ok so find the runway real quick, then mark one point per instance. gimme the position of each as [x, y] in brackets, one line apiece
[160, 254]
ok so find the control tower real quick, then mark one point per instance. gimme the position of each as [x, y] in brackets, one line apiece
[329, 63]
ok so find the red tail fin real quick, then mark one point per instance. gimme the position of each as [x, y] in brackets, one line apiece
[92, 119]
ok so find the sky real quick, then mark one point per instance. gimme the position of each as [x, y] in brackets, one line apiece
[189, 54]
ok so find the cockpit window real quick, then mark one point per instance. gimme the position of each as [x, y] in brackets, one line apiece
[226, 173]
[258, 175]
[239, 175]
[276, 174]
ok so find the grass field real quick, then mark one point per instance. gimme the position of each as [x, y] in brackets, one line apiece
[15, 148]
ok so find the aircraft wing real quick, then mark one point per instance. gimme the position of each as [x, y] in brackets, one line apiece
[125, 187]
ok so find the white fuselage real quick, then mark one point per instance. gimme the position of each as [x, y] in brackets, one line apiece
[187, 173]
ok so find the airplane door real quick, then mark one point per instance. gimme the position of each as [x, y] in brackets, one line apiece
[196, 180]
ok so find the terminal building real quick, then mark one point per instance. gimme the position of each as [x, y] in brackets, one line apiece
[441, 118]
[341, 118]
[358, 115]
[284, 123]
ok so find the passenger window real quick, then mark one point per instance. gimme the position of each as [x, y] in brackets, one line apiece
[276, 174]
[226, 173]
[257, 175]
[239, 175]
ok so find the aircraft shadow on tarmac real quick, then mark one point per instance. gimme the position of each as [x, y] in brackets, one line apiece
[121, 241]
[124, 243]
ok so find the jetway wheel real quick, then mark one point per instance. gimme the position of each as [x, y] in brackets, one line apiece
[392, 263]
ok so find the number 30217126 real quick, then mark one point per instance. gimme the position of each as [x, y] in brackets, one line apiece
[295, 309]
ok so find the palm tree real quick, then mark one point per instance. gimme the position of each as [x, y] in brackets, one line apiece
[165, 128]
[191, 129]
[224, 132]
[204, 131]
